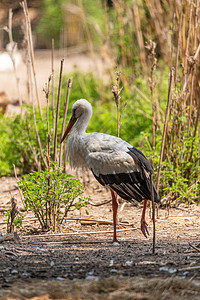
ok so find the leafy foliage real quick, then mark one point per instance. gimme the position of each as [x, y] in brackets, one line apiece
[51, 195]
[179, 178]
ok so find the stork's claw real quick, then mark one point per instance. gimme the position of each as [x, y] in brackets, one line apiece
[144, 228]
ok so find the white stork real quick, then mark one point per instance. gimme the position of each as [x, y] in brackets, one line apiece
[113, 162]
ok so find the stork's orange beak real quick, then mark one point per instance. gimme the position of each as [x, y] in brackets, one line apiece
[71, 123]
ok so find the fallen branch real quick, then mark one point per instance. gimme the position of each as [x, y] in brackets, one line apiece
[104, 222]
[10, 253]
[77, 233]
[194, 247]
[78, 242]
[101, 203]
[189, 268]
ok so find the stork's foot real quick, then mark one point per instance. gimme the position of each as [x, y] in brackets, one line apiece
[144, 227]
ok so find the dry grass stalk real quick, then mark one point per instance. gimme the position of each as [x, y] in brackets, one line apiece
[158, 20]
[52, 80]
[13, 213]
[64, 119]
[30, 57]
[119, 6]
[46, 90]
[153, 214]
[20, 192]
[89, 38]
[178, 41]
[151, 46]
[27, 62]
[165, 126]
[136, 17]
[38, 136]
[182, 130]
[31, 51]
[57, 111]
[116, 92]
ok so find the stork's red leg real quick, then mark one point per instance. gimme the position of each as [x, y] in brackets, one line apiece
[143, 222]
[114, 207]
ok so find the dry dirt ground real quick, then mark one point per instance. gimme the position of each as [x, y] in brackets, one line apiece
[83, 263]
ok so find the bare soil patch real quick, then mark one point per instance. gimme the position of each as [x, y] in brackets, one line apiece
[99, 268]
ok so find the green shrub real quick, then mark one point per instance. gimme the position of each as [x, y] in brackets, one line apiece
[51, 195]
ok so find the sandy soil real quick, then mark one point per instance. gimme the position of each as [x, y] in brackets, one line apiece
[86, 254]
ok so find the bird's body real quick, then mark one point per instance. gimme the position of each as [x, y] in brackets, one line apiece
[113, 161]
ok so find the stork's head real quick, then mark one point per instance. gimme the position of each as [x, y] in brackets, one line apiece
[81, 110]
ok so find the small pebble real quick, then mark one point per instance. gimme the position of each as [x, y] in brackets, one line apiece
[91, 273]
[41, 249]
[129, 262]
[111, 263]
[91, 277]
[113, 271]
[14, 272]
[115, 244]
[169, 270]
[76, 258]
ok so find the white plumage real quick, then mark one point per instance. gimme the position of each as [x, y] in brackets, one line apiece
[6, 63]
[114, 162]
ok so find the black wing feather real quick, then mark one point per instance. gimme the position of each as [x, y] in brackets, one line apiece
[140, 159]
[132, 185]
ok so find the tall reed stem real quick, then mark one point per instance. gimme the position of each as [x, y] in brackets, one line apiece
[57, 111]
[165, 126]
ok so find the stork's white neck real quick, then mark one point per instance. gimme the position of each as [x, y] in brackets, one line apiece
[82, 123]
[77, 140]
